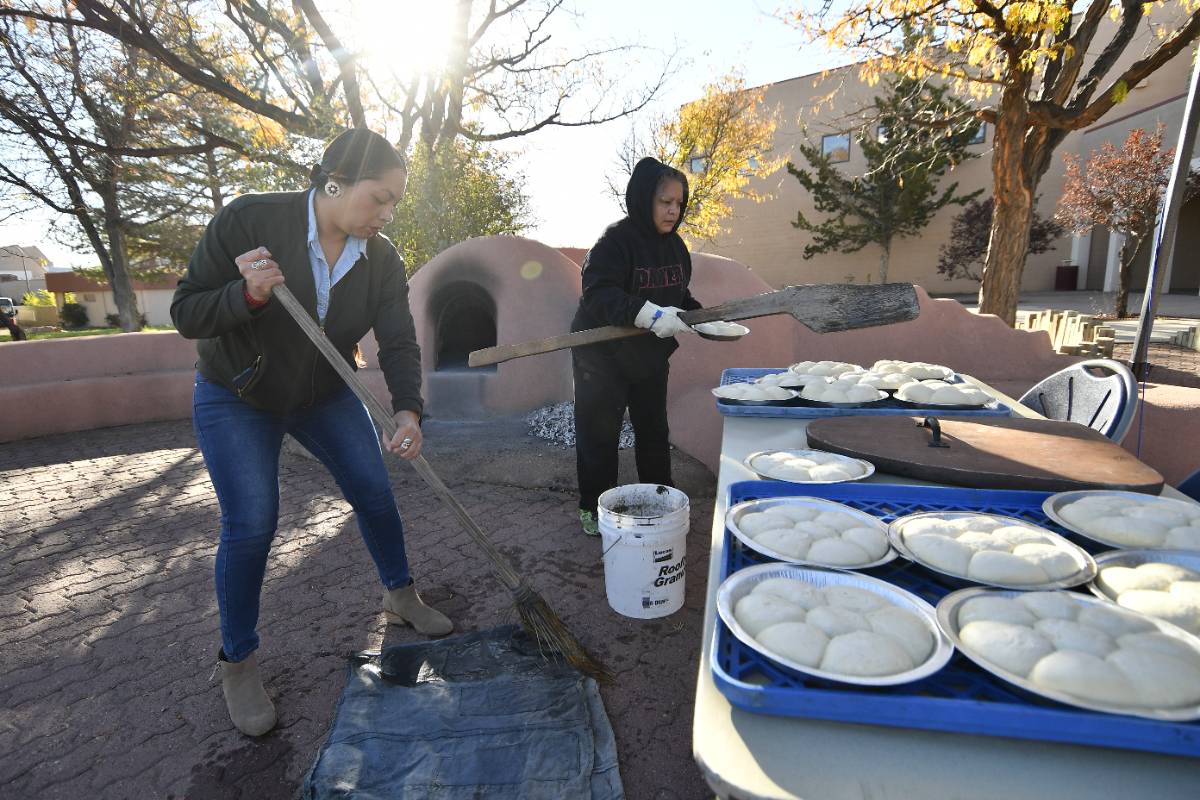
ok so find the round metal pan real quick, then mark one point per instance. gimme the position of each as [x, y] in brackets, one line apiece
[1053, 505]
[734, 515]
[947, 618]
[1086, 572]
[740, 583]
[767, 475]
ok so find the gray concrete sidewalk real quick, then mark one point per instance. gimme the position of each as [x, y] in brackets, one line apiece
[108, 624]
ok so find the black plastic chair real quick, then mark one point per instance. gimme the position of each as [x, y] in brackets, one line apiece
[1100, 393]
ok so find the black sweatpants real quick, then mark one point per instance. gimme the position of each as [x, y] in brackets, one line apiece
[602, 393]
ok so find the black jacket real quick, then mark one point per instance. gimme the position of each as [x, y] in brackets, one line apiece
[630, 264]
[263, 355]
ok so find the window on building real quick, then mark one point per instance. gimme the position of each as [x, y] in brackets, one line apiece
[88, 297]
[836, 147]
[881, 134]
[697, 164]
[980, 134]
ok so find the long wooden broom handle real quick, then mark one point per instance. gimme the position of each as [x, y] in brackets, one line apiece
[508, 575]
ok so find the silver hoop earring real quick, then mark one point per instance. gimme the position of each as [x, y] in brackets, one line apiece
[333, 189]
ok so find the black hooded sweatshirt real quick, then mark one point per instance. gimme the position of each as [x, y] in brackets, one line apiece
[630, 264]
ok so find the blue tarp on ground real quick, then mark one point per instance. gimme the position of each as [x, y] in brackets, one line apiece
[481, 715]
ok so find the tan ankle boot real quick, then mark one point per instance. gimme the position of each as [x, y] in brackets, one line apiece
[251, 710]
[404, 606]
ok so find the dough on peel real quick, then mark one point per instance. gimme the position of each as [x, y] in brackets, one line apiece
[1011, 647]
[865, 653]
[757, 612]
[1085, 676]
[796, 641]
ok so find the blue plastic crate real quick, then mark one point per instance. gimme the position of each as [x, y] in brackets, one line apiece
[961, 697]
[888, 407]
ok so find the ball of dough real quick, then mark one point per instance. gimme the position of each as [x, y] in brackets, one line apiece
[1128, 532]
[757, 522]
[996, 609]
[1083, 675]
[940, 552]
[979, 541]
[905, 627]
[1049, 605]
[872, 540]
[928, 525]
[796, 641]
[1020, 534]
[1177, 610]
[795, 474]
[863, 394]
[1067, 634]
[756, 612]
[994, 566]
[915, 393]
[817, 531]
[1113, 621]
[831, 473]
[949, 396]
[793, 591]
[865, 653]
[1183, 538]
[794, 512]
[1188, 589]
[853, 598]
[837, 552]
[788, 542]
[1011, 647]
[1057, 562]
[838, 520]
[1161, 643]
[834, 621]
[1159, 680]
[1114, 580]
[1154, 511]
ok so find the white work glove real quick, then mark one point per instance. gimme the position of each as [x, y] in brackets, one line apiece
[662, 321]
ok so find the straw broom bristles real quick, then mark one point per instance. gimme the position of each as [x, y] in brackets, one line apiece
[550, 633]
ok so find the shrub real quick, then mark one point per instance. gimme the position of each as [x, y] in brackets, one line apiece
[114, 320]
[74, 315]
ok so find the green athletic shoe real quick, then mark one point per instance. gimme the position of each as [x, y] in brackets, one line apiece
[588, 520]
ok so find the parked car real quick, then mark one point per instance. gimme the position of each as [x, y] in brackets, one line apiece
[7, 308]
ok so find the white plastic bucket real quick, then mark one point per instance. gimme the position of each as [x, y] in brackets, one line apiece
[643, 527]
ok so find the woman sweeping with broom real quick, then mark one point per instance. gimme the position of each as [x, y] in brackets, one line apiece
[636, 274]
[259, 378]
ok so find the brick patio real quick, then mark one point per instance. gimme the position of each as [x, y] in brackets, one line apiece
[108, 625]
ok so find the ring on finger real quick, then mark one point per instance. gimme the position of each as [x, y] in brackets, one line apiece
[406, 443]
[259, 264]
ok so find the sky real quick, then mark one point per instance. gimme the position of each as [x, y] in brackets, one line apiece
[565, 168]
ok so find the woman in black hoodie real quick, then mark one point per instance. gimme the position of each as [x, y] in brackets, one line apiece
[636, 274]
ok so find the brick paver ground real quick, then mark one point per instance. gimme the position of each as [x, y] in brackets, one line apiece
[108, 625]
[1169, 364]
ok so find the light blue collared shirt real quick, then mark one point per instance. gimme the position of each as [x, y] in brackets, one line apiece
[322, 276]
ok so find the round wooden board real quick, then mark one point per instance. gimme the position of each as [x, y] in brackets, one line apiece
[998, 453]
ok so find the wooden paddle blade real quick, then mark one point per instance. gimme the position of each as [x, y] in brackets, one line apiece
[844, 307]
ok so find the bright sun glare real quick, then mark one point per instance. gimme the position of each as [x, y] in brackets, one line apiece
[403, 37]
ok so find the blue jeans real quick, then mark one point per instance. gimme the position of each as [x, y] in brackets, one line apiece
[241, 449]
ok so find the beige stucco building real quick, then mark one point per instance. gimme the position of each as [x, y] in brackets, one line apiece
[812, 106]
